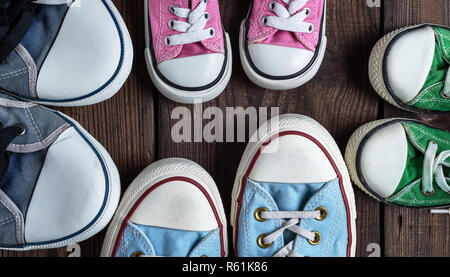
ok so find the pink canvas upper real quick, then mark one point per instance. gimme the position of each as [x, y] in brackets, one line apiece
[160, 16]
[259, 33]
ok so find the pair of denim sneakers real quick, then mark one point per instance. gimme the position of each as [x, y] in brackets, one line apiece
[58, 185]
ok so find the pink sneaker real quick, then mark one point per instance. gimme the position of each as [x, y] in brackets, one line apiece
[282, 42]
[188, 54]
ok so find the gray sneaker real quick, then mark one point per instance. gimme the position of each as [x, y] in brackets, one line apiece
[63, 52]
[58, 185]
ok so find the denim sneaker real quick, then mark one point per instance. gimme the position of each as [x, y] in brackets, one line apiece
[292, 195]
[409, 68]
[282, 42]
[58, 185]
[188, 53]
[63, 52]
[402, 162]
[172, 209]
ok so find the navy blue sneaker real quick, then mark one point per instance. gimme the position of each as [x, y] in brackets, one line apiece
[58, 185]
[63, 52]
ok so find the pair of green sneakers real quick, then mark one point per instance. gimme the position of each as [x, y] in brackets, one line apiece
[401, 161]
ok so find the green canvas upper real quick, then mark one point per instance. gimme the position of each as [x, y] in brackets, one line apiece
[431, 96]
[410, 189]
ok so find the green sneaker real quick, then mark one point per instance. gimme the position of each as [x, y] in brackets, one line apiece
[402, 162]
[409, 68]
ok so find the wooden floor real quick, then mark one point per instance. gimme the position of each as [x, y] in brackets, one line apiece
[135, 125]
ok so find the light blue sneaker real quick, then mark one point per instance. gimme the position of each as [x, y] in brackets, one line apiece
[172, 209]
[63, 52]
[292, 194]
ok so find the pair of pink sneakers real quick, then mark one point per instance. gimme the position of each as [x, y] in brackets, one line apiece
[189, 57]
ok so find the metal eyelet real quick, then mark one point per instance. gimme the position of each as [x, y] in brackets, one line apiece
[171, 23]
[207, 15]
[172, 8]
[311, 29]
[261, 243]
[136, 254]
[206, 1]
[24, 131]
[317, 240]
[272, 5]
[264, 21]
[257, 214]
[443, 95]
[429, 194]
[212, 32]
[323, 213]
[308, 11]
[167, 41]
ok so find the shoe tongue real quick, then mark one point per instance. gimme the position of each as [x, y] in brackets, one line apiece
[443, 39]
[418, 138]
[291, 197]
[441, 61]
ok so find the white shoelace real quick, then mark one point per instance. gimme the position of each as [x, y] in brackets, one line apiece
[52, 2]
[289, 19]
[194, 29]
[433, 168]
[292, 225]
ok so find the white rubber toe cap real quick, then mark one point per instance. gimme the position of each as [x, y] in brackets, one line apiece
[383, 159]
[85, 55]
[194, 71]
[293, 159]
[176, 205]
[277, 60]
[70, 190]
[409, 62]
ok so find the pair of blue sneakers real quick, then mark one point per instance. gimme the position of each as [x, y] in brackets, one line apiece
[58, 185]
[292, 197]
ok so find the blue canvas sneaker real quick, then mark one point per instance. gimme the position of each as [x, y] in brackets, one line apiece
[63, 52]
[292, 194]
[58, 185]
[172, 209]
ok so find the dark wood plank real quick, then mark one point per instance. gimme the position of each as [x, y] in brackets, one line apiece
[413, 232]
[338, 97]
[123, 124]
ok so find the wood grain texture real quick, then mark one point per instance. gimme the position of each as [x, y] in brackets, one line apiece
[123, 124]
[414, 232]
[135, 125]
[338, 97]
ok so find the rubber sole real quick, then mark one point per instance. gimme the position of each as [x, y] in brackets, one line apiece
[179, 95]
[294, 122]
[352, 148]
[281, 84]
[112, 199]
[153, 174]
[115, 85]
[376, 61]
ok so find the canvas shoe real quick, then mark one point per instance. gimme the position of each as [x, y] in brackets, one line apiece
[63, 52]
[58, 185]
[282, 42]
[409, 68]
[292, 195]
[402, 162]
[172, 209]
[187, 51]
